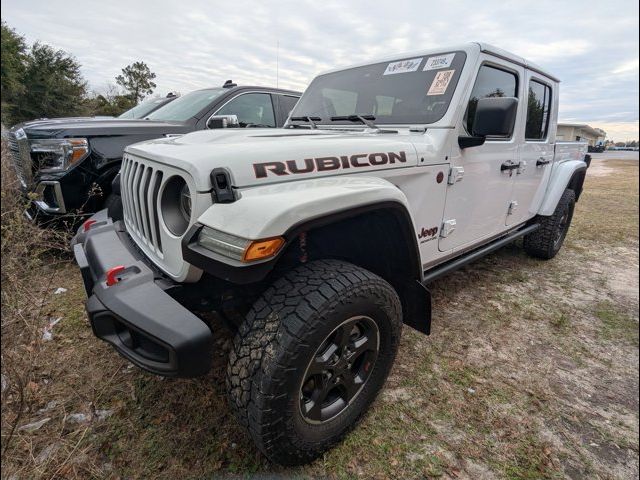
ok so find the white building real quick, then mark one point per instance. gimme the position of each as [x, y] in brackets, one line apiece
[580, 132]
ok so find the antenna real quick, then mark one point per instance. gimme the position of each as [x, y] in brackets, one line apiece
[277, 62]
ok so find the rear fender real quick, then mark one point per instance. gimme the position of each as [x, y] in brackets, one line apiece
[564, 174]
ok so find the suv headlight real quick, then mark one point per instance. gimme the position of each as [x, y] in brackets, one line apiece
[238, 248]
[59, 154]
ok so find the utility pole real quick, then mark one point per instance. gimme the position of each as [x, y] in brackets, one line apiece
[277, 62]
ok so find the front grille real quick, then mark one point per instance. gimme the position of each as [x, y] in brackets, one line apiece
[20, 156]
[140, 186]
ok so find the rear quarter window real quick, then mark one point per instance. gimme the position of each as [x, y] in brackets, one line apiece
[538, 108]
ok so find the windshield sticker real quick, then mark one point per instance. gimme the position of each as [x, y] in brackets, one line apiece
[441, 82]
[436, 63]
[403, 66]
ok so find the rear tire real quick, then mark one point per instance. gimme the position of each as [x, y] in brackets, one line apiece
[113, 204]
[545, 242]
[311, 356]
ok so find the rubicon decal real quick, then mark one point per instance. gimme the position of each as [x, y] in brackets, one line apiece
[321, 164]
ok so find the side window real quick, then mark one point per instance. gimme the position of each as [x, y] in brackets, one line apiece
[491, 82]
[538, 108]
[287, 102]
[252, 109]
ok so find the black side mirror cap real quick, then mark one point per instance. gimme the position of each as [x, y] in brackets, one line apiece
[468, 141]
[495, 117]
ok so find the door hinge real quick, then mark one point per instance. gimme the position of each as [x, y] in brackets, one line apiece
[448, 227]
[512, 208]
[455, 175]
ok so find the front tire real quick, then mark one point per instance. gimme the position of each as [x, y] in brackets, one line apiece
[545, 242]
[311, 356]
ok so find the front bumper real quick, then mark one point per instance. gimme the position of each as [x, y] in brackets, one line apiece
[136, 315]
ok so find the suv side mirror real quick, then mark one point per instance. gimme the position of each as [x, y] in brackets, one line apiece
[223, 121]
[494, 117]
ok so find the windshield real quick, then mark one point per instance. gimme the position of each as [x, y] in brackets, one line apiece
[414, 90]
[187, 106]
[143, 109]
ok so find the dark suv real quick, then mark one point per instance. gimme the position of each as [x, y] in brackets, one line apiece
[70, 166]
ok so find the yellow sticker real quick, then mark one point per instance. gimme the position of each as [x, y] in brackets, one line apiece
[440, 82]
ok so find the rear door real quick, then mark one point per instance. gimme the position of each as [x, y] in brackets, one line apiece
[536, 150]
[477, 203]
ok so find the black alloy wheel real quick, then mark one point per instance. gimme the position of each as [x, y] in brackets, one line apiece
[339, 369]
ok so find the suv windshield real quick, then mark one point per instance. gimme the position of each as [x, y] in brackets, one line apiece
[143, 109]
[413, 90]
[187, 106]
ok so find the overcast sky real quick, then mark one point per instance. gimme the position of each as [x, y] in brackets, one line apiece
[592, 46]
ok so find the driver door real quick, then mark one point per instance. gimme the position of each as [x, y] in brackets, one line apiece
[479, 193]
[252, 109]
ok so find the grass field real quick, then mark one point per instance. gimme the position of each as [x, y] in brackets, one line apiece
[531, 372]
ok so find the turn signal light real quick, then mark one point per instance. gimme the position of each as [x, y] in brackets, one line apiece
[261, 249]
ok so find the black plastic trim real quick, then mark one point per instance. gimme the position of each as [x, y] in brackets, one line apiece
[136, 316]
[472, 256]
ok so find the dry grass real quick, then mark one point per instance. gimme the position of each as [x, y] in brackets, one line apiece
[531, 372]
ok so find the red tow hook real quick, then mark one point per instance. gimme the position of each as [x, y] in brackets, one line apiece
[111, 275]
[87, 225]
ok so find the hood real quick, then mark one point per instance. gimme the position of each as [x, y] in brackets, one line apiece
[95, 126]
[44, 121]
[263, 156]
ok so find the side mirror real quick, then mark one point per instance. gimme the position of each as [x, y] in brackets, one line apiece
[494, 117]
[223, 121]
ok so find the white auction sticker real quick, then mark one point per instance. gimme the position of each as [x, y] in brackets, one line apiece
[403, 66]
[441, 82]
[441, 61]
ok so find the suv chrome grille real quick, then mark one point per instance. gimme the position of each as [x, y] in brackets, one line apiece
[20, 156]
[140, 187]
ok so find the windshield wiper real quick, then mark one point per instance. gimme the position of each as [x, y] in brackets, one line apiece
[306, 118]
[366, 119]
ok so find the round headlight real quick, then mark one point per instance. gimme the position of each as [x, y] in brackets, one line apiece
[175, 203]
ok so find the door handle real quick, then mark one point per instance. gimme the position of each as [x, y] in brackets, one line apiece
[541, 161]
[509, 165]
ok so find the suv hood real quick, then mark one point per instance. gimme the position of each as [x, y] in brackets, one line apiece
[263, 156]
[91, 127]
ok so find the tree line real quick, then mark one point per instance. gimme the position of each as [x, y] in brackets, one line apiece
[40, 81]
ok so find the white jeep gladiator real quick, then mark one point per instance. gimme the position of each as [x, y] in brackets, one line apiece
[317, 241]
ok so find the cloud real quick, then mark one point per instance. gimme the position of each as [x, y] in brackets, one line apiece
[630, 66]
[202, 43]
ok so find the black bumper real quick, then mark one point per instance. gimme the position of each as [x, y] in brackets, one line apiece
[135, 315]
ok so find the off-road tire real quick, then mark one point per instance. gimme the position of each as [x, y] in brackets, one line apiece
[545, 242]
[280, 336]
[113, 204]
